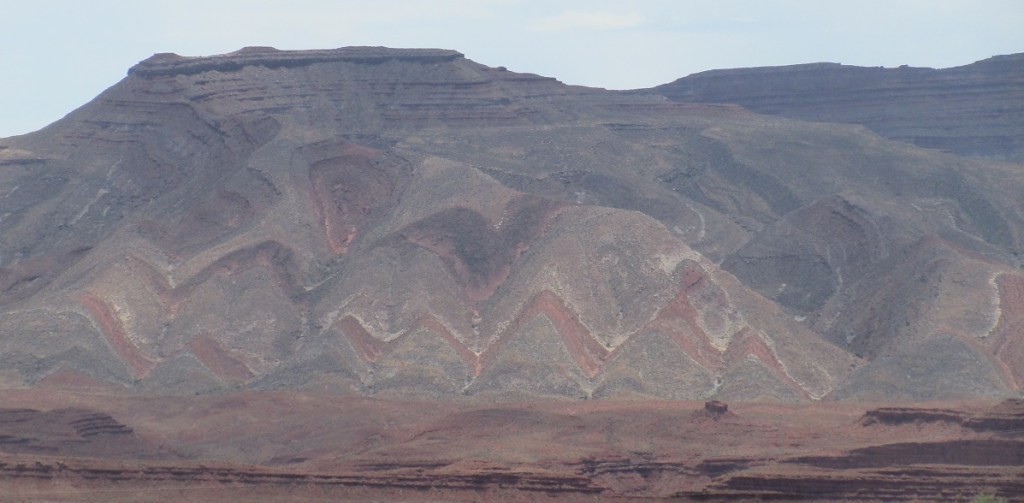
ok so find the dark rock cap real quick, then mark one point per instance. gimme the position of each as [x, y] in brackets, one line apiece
[164, 64]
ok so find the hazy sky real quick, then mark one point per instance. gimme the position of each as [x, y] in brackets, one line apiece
[57, 55]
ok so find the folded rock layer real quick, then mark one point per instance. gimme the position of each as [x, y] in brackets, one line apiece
[396, 222]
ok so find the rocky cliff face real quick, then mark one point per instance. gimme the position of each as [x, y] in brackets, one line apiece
[975, 110]
[411, 222]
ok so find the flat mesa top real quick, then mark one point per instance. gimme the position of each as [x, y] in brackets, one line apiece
[163, 64]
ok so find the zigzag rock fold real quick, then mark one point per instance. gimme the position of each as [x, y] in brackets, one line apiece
[409, 222]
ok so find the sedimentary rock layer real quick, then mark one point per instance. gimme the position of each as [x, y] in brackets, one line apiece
[974, 109]
[408, 222]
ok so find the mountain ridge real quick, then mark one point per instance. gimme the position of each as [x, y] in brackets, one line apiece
[972, 109]
[403, 222]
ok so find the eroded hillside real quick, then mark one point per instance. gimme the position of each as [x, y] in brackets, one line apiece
[410, 222]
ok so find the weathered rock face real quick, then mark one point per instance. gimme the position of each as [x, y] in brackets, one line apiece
[975, 110]
[408, 221]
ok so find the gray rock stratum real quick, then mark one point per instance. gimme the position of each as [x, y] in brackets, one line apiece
[975, 110]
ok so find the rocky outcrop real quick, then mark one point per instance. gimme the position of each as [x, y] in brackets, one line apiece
[1007, 418]
[970, 110]
[69, 432]
[388, 478]
[607, 479]
[940, 483]
[168, 64]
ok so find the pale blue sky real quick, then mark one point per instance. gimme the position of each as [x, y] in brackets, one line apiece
[57, 55]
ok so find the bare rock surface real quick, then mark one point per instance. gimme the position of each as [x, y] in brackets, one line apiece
[408, 221]
[973, 110]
